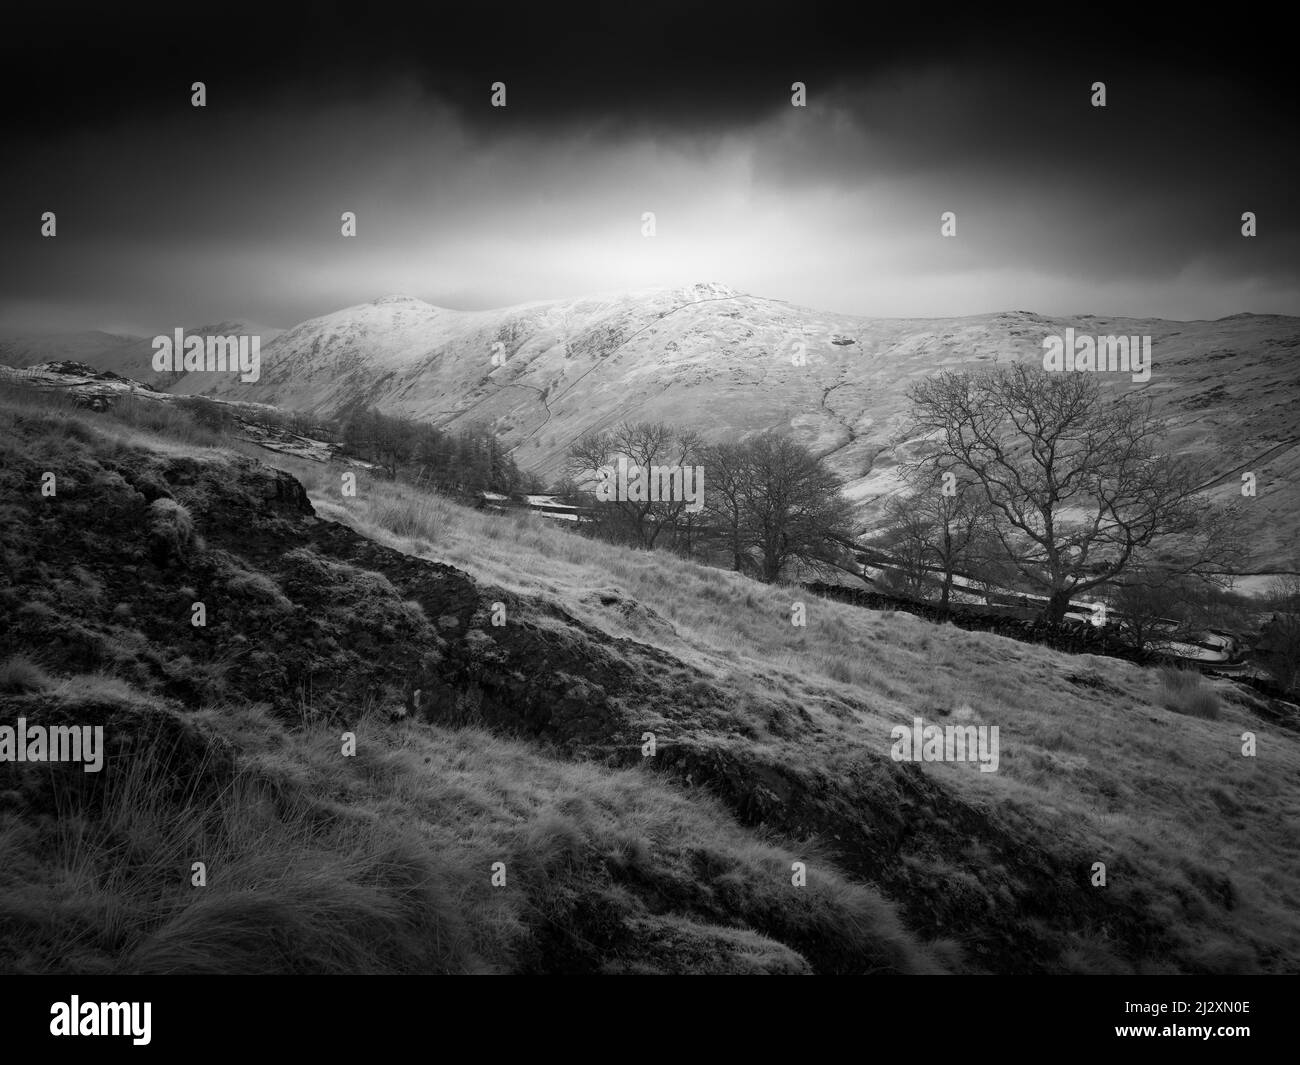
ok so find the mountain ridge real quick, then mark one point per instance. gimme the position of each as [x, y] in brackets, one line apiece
[732, 364]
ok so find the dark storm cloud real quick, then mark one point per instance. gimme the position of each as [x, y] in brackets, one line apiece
[616, 65]
[1147, 185]
[172, 214]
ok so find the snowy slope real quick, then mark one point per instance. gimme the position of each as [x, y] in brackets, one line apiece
[722, 361]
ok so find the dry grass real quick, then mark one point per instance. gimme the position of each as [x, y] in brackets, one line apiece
[382, 863]
[1184, 692]
[18, 673]
[1114, 769]
[1128, 771]
[128, 423]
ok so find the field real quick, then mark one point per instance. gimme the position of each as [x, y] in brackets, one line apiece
[523, 743]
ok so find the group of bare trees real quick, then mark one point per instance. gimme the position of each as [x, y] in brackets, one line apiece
[1041, 478]
[766, 504]
[643, 522]
[1027, 480]
[472, 459]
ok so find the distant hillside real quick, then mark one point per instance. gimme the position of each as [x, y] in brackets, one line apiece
[101, 350]
[721, 361]
[128, 356]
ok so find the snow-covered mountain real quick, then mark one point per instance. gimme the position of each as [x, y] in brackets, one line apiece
[732, 364]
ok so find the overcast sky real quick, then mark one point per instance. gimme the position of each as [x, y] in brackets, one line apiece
[170, 214]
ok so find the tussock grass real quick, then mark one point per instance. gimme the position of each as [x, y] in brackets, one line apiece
[1184, 691]
[382, 863]
[171, 530]
[256, 586]
[286, 890]
[51, 421]
[18, 673]
[179, 421]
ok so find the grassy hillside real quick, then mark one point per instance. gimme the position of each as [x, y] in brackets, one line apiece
[522, 742]
[224, 747]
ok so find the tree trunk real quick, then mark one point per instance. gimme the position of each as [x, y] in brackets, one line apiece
[1057, 605]
[771, 565]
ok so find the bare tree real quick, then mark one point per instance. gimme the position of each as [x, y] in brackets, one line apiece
[727, 471]
[1079, 488]
[792, 507]
[906, 538]
[935, 531]
[644, 445]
